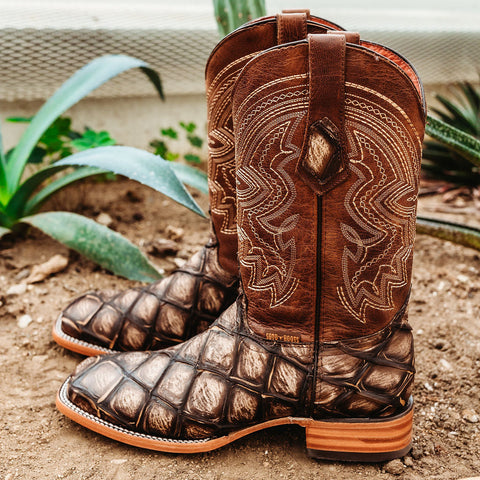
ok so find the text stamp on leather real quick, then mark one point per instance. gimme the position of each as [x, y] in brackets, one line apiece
[282, 338]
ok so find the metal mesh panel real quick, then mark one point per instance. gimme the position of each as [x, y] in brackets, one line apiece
[44, 42]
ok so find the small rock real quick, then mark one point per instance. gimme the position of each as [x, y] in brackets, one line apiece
[470, 416]
[179, 262]
[24, 273]
[416, 452]
[163, 247]
[395, 467]
[40, 272]
[174, 233]
[445, 365]
[18, 289]
[428, 387]
[408, 461]
[462, 278]
[24, 321]
[118, 461]
[104, 219]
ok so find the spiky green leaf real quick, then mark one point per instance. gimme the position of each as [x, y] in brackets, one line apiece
[96, 242]
[74, 89]
[35, 202]
[139, 165]
[191, 176]
[458, 141]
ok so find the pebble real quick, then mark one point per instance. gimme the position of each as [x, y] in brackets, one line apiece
[416, 452]
[179, 262]
[445, 365]
[174, 233]
[470, 416]
[22, 274]
[18, 289]
[428, 387]
[163, 247]
[104, 219]
[24, 321]
[395, 467]
[118, 461]
[408, 461]
[462, 278]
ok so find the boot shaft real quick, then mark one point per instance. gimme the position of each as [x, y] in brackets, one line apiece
[328, 142]
[223, 67]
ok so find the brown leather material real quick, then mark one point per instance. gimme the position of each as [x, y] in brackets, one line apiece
[324, 168]
[276, 254]
[291, 27]
[227, 378]
[143, 318]
[224, 65]
[350, 37]
[364, 227]
[320, 328]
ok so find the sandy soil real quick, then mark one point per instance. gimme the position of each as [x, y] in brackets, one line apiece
[39, 443]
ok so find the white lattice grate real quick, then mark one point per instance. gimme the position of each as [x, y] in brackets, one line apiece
[43, 42]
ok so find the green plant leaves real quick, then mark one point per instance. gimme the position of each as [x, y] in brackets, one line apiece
[35, 202]
[74, 89]
[96, 242]
[457, 140]
[452, 232]
[191, 176]
[230, 14]
[139, 165]
[92, 139]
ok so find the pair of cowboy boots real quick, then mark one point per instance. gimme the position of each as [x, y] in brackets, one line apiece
[315, 145]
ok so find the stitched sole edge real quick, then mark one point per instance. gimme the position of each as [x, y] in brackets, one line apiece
[74, 344]
[152, 442]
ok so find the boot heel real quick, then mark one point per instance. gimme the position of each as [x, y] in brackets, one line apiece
[361, 440]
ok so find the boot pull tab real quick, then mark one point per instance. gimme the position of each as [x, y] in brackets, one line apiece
[291, 27]
[350, 37]
[324, 163]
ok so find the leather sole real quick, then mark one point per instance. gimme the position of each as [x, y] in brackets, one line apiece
[356, 440]
[75, 345]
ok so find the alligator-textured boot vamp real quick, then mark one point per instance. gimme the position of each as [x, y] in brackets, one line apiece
[184, 304]
[161, 314]
[328, 136]
[227, 378]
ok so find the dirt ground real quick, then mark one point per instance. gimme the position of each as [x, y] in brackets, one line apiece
[38, 442]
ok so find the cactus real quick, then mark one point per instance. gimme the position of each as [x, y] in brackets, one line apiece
[230, 14]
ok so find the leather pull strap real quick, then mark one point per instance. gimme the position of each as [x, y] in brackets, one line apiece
[350, 37]
[291, 27]
[324, 164]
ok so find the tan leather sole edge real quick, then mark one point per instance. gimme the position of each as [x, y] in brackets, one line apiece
[368, 440]
[75, 345]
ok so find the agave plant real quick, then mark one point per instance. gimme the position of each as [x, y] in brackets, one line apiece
[230, 14]
[460, 144]
[21, 198]
[441, 160]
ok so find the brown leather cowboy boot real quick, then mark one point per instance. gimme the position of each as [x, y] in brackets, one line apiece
[328, 141]
[191, 298]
